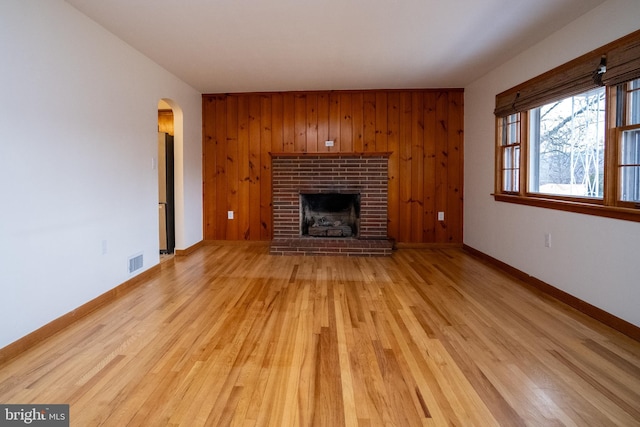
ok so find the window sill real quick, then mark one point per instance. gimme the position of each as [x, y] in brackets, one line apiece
[626, 214]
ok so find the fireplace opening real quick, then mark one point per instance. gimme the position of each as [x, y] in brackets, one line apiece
[329, 214]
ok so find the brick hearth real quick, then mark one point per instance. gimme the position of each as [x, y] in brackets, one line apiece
[365, 173]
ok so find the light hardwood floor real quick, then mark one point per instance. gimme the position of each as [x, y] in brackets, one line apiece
[233, 336]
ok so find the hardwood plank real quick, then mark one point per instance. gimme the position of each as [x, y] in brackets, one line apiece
[230, 335]
[233, 169]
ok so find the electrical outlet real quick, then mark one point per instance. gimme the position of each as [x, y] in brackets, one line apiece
[440, 216]
[547, 240]
[328, 143]
[229, 214]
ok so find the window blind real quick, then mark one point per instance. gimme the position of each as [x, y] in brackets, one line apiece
[623, 62]
[622, 59]
[569, 79]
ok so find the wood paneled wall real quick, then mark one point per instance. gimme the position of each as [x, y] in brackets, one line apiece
[423, 129]
[165, 121]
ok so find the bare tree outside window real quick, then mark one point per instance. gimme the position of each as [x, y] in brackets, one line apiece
[567, 146]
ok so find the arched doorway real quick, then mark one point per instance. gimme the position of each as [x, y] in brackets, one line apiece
[170, 191]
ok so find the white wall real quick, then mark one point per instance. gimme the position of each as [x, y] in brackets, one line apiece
[78, 123]
[592, 258]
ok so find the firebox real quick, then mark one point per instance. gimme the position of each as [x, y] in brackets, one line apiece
[329, 214]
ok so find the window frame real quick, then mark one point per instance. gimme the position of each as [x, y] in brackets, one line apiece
[500, 155]
[619, 165]
[610, 205]
[621, 125]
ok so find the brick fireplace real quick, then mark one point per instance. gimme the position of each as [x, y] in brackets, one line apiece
[361, 174]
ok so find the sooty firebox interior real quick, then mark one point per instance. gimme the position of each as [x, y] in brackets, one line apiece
[329, 214]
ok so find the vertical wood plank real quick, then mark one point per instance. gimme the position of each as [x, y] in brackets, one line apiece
[369, 127]
[227, 154]
[417, 169]
[393, 145]
[323, 121]
[209, 162]
[244, 197]
[442, 163]
[429, 219]
[265, 174]
[405, 201]
[346, 124]
[255, 134]
[312, 122]
[381, 121]
[288, 127]
[455, 168]
[300, 123]
[334, 122]
[277, 123]
[357, 115]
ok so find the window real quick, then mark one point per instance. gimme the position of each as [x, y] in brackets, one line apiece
[510, 153]
[630, 166]
[628, 125]
[570, 138]
[566, 140]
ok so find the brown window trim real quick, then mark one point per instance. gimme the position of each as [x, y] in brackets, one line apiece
[591, 207]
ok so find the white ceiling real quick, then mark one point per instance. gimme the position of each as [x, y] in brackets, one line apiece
[221, 46]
